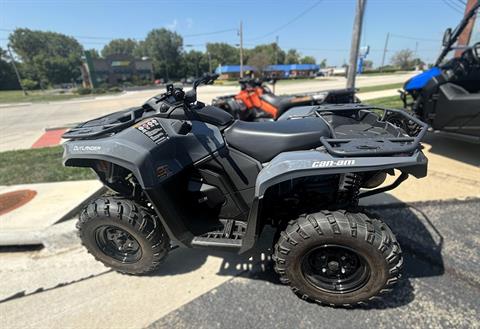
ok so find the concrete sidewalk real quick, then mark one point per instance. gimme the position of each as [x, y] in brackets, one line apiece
[52, 203]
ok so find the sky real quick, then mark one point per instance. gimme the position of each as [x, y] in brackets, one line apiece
[320, 28]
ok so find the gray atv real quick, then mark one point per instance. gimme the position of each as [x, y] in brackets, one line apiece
[186, 174]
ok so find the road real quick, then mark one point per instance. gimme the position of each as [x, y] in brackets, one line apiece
[21, 126]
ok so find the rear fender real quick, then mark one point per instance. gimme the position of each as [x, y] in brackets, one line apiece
[290, 165]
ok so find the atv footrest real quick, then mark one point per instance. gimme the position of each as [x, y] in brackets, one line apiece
[229, 234]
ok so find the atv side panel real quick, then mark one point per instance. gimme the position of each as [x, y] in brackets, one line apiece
[152, 155]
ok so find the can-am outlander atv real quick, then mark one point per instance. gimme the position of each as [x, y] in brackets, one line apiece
[447, 96]
[187, 174]
[257, 102]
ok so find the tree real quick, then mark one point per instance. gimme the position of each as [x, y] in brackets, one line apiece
[292, 57]
[8, 80]
[164, 48]
[367, 64]
[120, 47]
[272, 51]
[403, 59]
[323, 64]
[194, 64]
[259, 61]
[93, 52]
[417, 62]
[308, 60]
[223, 54]
[47, 57]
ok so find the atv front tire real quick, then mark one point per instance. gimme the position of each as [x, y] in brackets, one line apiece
[338, 258]
[123, 235]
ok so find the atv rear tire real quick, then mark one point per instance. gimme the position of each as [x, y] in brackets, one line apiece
[338, 258]
[123, 235]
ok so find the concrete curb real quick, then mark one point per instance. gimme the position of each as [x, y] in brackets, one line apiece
[15, 105]
[76, 210]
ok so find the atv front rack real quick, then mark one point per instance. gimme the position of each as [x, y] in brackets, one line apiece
[107, 124]
[357, 130]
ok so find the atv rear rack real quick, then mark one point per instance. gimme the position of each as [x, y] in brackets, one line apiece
[357, 130]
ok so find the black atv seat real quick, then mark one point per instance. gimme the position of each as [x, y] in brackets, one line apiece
[282, 103]
[264, 140]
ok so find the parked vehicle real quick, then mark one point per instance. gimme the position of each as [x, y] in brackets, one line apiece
[447, 96]
[256, 102]
[186, 174]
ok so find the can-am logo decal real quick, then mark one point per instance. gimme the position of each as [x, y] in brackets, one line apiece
[331, 163]
[86, 148]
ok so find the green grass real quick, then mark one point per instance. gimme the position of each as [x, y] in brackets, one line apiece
[38, 166]
[16, 96]
[381, 87]
[390, 102]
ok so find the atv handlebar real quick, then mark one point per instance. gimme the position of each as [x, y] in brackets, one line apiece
[207, 79]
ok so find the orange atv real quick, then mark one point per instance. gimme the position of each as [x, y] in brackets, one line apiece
[256, 102]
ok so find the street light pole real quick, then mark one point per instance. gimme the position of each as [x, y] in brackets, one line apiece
[356, 34]
[16, 71]
[241, 49]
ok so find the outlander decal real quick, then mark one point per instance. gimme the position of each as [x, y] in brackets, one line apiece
[86, 148]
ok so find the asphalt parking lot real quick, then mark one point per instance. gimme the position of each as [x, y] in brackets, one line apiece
[197, 289]
[440, 287]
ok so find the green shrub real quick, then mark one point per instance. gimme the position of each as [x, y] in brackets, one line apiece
[115, 89]
[29, 84]
[84, 91]
[99, 91]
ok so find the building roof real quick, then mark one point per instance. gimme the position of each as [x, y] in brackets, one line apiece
[279, 67]
[293, 67]
[232, 69]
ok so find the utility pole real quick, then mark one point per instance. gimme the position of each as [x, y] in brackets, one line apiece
[276, 50]
[16, 71]
[209, 62]
[356, 35]
[385, 49]
[241, 49]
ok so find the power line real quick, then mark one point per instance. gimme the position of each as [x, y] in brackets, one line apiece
[452, 7]
[413, 38]
[457, 5]
[303, 13]
[207, 33]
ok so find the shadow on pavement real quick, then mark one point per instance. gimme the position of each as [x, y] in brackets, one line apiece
[420, 241]
[455, 149]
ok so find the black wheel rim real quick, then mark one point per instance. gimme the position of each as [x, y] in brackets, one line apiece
[118, 244]
[335, 269]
